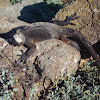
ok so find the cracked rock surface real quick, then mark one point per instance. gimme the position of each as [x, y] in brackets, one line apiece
[89, 21]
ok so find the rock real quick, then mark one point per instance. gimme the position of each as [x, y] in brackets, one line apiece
[8, 23]
[27, 11]
[14, 10]
[55, 54]
[89, 22]
[52, 59]
[3, 60]
[8, 16]
[8, 53]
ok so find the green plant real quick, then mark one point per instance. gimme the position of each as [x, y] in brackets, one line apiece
[54, 2]
[33, 90]
[15, 1]
[6, 83]
[85, 85]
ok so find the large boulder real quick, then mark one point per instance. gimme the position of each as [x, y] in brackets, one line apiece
[51, 53]
[52, 60]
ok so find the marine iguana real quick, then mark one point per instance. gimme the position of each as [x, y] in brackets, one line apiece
[41, 31]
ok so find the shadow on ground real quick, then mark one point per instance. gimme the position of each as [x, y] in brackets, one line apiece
[39, 12]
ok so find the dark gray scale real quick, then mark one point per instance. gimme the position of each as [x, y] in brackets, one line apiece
[35, 34]
[30, 36]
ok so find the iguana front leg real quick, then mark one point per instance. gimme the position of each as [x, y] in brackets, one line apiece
[27, 54]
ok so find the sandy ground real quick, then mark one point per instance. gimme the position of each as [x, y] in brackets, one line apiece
[4, 3]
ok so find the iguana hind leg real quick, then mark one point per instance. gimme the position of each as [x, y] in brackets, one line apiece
[70, 42]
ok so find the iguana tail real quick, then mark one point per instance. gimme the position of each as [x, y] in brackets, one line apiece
[77, 35]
